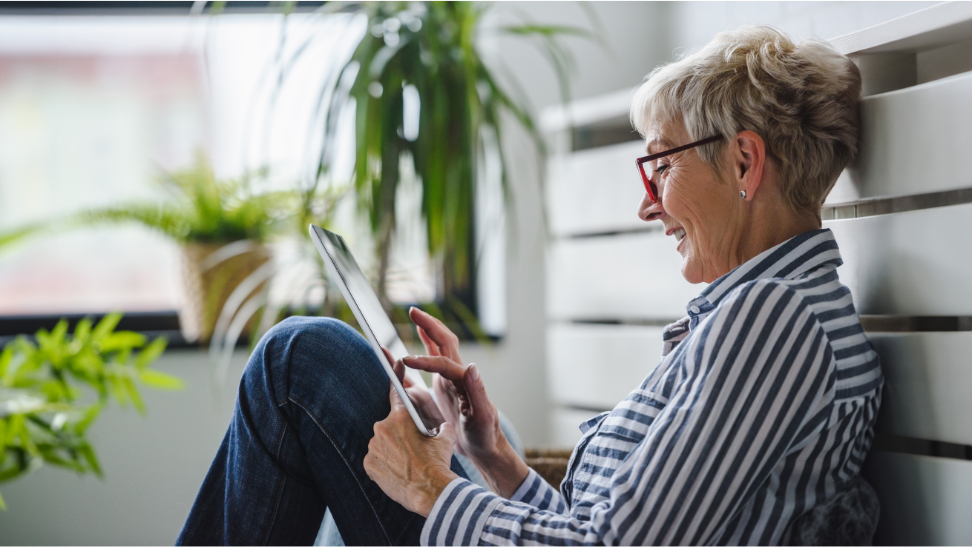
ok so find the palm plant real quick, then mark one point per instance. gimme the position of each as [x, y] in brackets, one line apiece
[221, 225]
[425, 56]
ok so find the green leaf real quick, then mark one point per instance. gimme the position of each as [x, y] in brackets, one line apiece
[133, 394]
[150, 353]
[89, 416]
[89, 455]
[106, 326]
[83, 330]
[6, 357]
[122, 340]
[117, 389]
[160, 380]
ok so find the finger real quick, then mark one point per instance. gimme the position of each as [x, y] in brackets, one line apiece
[399, 369]
[476, 390]
[446, 340]
[394, 399]
[442, 365]
[431, 348]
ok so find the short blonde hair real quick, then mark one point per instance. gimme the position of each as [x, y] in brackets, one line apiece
[802, 99]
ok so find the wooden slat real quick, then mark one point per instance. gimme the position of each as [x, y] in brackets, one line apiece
[908, 264]
[595, 190]
[927, 380]
[631, 276]
[936, 26]
[596, 366]
[924, 500]
[932, 122]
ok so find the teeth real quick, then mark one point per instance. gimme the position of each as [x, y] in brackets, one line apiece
[679, 234]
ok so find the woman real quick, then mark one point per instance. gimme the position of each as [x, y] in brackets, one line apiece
[751, 430]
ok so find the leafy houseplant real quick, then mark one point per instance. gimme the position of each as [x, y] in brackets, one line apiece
[424, 56]
[52, 390]
[205, 217]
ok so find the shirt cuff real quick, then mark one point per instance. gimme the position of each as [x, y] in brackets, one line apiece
[536, 492]
[459, 515]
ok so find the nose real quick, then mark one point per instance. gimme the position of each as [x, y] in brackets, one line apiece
[648, 211]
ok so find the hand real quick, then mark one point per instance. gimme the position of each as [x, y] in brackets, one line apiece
[462, 399]
[421, 397]
[411, 468]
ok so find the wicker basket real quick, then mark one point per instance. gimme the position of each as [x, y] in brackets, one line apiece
[208, 287]
[551, 464]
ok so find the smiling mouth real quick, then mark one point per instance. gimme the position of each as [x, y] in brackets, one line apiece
[679, 234]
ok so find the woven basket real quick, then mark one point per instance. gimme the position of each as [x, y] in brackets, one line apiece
[207, 289]
[551, 464]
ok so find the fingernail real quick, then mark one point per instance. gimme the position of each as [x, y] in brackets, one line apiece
[473, 372]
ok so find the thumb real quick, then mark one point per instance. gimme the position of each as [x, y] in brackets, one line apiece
[475, 389]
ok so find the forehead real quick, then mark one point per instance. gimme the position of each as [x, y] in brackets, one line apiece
[660, 136]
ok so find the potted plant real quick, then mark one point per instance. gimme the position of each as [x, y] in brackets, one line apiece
[427, 54]
[53, 388]
[222, 227]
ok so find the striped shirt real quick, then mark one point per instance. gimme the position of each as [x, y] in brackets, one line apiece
[761, 409]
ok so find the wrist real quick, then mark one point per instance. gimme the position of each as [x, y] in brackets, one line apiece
[430, 491]
[503, 469]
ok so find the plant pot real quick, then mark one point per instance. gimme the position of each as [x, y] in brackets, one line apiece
[209, 282]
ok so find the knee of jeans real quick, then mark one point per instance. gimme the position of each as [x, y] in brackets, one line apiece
[320, 328]
[300, 334]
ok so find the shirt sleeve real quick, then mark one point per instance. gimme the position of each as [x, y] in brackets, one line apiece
[758, 384]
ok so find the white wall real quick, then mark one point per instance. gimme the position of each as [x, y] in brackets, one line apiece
[153, 467]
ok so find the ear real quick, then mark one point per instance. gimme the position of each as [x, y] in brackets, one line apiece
[748, 162]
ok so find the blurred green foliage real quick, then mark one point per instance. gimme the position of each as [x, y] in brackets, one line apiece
[53, 388]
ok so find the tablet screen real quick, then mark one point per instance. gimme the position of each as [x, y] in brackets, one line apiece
[366, 306]
[364, 297]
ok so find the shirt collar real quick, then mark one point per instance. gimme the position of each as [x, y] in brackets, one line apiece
[789, 260]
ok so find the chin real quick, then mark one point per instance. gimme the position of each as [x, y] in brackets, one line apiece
[690, 272]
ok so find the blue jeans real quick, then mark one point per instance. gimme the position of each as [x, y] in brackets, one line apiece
[309, 398]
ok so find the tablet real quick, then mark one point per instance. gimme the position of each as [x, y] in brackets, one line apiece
[367, 309]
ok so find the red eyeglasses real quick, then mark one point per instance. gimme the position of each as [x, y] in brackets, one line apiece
[650, 187]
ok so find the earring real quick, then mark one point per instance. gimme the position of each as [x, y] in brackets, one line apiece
[742, 194]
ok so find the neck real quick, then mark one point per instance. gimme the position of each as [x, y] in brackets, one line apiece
[766, 227]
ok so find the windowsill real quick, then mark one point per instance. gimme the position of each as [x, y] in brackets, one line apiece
[162, 323]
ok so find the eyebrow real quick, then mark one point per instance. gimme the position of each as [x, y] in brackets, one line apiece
[663, 142]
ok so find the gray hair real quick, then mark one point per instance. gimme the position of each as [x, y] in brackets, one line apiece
[802, 99]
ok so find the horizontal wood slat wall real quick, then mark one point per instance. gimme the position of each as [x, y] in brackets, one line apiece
[595, 191]
[928, 378]
[924, 500]
[902, 215]
[624, 277]
[915, 140]
[917, 263]
[596, 366]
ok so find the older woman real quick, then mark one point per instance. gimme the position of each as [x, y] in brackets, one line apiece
[751, 430]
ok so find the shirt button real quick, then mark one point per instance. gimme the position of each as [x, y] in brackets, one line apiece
[694, 309]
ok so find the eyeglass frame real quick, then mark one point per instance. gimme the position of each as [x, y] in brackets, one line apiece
[641, 162]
